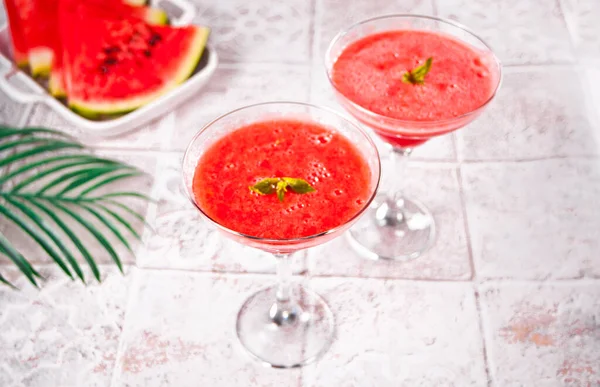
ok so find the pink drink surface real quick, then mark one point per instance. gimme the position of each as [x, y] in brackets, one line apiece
[369, 73]
[282, 148]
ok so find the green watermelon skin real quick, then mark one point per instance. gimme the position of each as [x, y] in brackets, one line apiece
[124, 63]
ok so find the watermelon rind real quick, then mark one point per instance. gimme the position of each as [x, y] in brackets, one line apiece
[56, 87]
[92, 109]
[156, 16]
[40, 61]
[137, 3]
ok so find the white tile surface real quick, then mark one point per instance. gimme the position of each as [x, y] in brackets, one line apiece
[582, 20]
[180, 331]
[542, 334]
[64, 335]
[546, 118]
[534, 220]
[519, 31]
[394, 333]
[259, 31]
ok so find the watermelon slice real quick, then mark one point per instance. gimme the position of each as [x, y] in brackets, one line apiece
[42, 37]
[94, 9]
[18, 11]
[115, 65]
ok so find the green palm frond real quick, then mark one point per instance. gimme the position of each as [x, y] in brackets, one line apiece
[48, 185]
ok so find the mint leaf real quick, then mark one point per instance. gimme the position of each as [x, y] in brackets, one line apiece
[298, 185]
[265, 186]
[416, 76]
[281, 189]
[280, 186]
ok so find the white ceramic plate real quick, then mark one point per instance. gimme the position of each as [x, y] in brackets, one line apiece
[180, 13]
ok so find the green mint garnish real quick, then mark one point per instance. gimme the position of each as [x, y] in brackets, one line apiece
[280, 186]
[416, 76]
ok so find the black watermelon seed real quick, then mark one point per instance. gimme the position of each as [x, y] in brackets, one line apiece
[111, 50]
[103, 69]
[155, 38]
[147, 53]
[110, 61]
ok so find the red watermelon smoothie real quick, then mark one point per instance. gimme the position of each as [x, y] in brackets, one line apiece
[369, 73]
[279, 148]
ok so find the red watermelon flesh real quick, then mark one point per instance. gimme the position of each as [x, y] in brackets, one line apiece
[68, 10]
[43, 40]
[114, 65]
[19, 12]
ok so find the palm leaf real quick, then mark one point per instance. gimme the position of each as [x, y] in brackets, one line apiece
[93, 230]
[51, 160]
[108, 180]
[24, 141]
[6, 131]
[76, 241]
[8, 250]
[125, 194]
[35, 235]
[125, 208]
[85, 161]
[130, 211]
[48, 147]
[89, 177]
[5, 282]
[51, 233]
[45, 169]
[110, 226]
[121, 220]
[61, 179]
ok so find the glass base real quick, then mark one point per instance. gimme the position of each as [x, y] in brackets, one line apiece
[402, 230]
[285, 335]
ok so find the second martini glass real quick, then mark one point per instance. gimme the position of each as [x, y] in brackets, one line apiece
[396, 227]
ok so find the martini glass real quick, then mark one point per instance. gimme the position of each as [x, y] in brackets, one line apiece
[284, 325]
[396, 227]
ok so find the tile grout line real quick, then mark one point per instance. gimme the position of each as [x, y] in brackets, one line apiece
[486, 356]
[463, 204]
[297, 275]
[568, 27]
[434, 8]
[570, 281]
[512, 65]
[27, 112]
[413, 160]
[315, 45]
[499, 281]
[463, 201]
[532, 159]
[133, 292]
[311, 48]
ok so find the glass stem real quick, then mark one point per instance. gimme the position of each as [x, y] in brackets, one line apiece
[284, 277]
[284, 310]
[398, 164]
